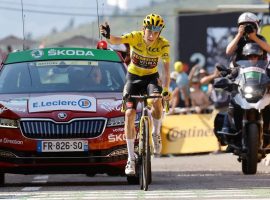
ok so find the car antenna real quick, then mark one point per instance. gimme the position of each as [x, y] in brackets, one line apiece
[23, 25]
[99, 36]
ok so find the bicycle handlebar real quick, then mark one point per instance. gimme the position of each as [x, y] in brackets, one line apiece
[144, 96]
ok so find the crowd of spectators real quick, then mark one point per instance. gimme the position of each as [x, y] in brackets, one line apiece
[191, 92]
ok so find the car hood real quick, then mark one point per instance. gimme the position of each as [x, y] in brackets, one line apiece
[86, 104]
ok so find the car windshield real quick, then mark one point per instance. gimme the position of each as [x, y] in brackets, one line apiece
[62, 76]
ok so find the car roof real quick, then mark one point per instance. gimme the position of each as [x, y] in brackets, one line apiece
[64, 53]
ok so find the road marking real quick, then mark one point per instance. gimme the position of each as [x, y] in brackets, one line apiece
[41, 177]
[32, 193]
[31, 189]
[37, 179]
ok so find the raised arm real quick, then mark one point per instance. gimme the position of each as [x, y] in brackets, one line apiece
[105, 31]
[233, 44]
[263, 44]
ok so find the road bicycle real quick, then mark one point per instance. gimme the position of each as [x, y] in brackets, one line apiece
[145, 150]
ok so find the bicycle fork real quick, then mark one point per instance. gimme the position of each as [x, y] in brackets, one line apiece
[145, 119]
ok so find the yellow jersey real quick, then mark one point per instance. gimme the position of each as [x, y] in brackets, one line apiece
[144, 59]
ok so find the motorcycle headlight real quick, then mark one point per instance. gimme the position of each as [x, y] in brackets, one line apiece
[8, 123]
[253, 94]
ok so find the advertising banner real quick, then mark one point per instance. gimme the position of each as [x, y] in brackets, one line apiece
[191, 133]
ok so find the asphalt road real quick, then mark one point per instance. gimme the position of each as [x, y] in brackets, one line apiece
[208, 176]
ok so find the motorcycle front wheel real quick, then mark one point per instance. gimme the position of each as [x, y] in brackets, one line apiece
[250, 161]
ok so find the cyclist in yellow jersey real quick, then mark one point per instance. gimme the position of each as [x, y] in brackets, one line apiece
[146, 48]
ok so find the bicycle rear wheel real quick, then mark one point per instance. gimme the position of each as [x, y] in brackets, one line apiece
[145, 171]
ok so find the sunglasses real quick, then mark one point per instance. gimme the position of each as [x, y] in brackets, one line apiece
[154, 28]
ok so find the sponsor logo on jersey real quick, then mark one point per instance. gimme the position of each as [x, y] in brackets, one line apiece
[144, 62]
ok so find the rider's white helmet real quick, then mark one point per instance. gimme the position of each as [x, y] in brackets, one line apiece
[252, 49]
[248, 17]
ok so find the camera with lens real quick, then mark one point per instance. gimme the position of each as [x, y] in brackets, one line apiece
[249, 28]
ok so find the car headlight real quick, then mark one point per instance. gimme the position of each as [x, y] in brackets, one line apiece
[120, 121]
[8, 123]
[116, 121]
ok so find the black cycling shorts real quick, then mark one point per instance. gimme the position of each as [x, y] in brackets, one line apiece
[140, 85]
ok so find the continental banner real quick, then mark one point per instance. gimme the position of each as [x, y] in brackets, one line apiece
[184, 134]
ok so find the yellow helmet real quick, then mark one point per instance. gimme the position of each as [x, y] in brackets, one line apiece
[178, 66]
[154, 22]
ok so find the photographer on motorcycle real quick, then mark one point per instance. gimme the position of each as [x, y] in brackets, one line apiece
[248, 28]
[253, 53]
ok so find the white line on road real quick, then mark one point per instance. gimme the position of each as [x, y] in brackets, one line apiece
[41, 177]
[31, 189]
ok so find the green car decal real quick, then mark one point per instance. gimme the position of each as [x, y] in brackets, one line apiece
[62, 54]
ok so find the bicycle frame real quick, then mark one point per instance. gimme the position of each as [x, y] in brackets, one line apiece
[145, 117]
[145, 140]
[145, 143]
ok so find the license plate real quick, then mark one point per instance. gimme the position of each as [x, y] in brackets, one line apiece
[62, 145]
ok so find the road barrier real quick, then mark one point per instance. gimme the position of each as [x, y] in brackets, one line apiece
[190, 133]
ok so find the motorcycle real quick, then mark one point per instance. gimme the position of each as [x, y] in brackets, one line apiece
[248, 85]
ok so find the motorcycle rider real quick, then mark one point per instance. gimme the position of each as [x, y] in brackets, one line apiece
[248, 28]
[252, 52]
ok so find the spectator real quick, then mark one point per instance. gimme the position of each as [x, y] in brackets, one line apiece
[204, 86]
[194, 72]
[182, 83]
[199, 100]
[9, 49]
[175, 92]
[173, 84]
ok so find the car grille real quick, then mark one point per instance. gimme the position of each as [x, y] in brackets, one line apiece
[48, 129]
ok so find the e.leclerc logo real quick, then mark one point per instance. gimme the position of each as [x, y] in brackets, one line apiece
[37, 53]
[84, 103]
[62, 102]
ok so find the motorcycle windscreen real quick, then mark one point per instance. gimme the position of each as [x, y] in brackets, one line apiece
[253, 72]
[253, 77]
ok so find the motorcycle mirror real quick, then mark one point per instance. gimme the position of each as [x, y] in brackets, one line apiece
[222, 68]
[222, 83]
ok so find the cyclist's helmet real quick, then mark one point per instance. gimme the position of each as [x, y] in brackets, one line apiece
[252, 49]
[154, 22]
[248, 17]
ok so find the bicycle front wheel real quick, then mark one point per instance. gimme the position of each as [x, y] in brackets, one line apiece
[145, 176]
